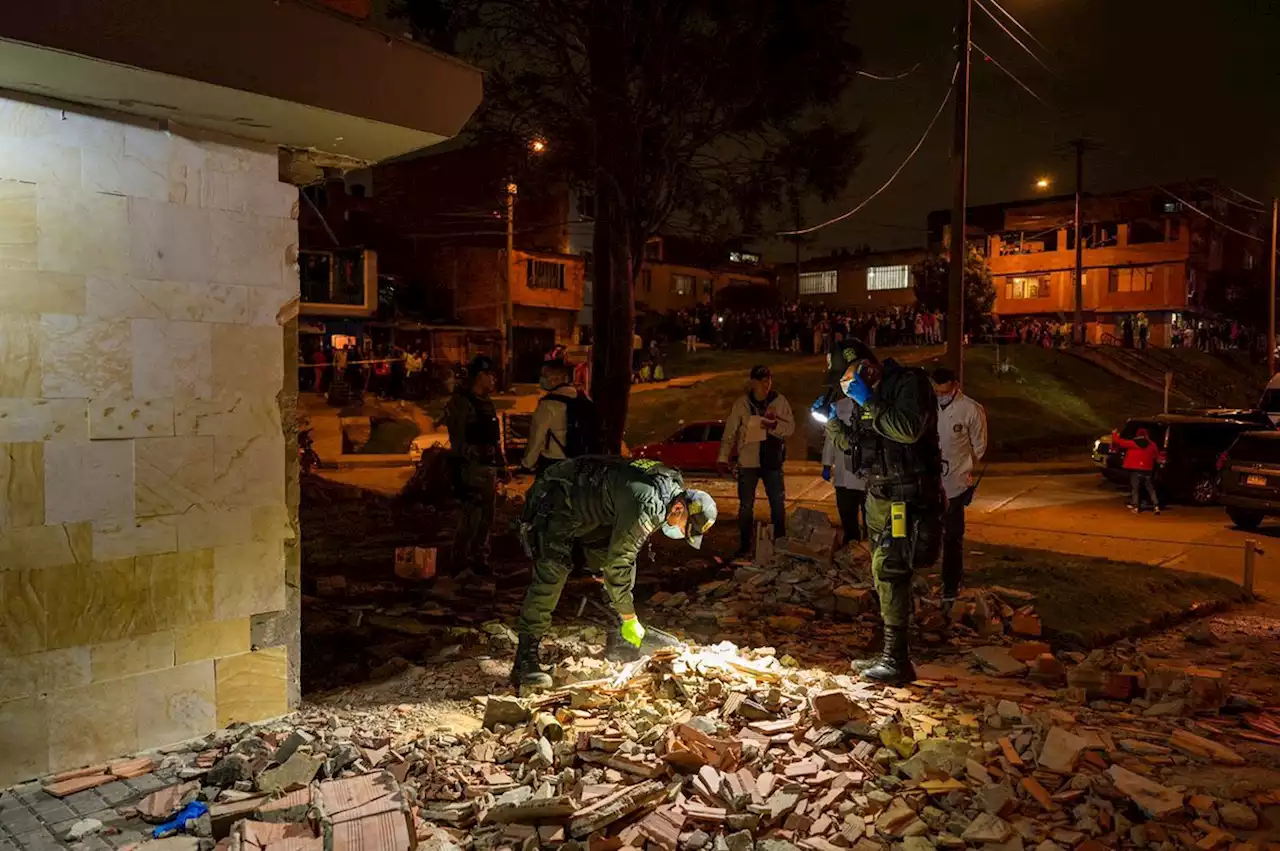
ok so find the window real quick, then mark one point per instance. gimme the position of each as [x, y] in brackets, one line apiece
[332, 277]
[586, 206]
[1172, 207]
[746, 257]
[888, 278]
[1018, 288]
[1249, 260]
[544, 275]
[1135, 279]
[682, 284]
[646, 280]
[817, 283]
[653, 250]
[706, 286]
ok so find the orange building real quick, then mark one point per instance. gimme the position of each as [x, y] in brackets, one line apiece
[682, 273]
[1144, 252]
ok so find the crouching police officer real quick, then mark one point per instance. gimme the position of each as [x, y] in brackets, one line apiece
[474, 463]
[894, 441]
[609, 506]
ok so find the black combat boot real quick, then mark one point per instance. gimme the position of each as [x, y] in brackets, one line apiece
[894, 665]
[526, 672]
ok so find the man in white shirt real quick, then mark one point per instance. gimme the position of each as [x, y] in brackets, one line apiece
[851, 488]
[758, 427]
[548, 431]
[962, 434]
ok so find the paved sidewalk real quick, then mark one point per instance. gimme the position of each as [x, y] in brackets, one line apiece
[33, 820]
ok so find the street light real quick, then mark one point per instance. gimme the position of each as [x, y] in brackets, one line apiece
[537, 146]
[1044, 183]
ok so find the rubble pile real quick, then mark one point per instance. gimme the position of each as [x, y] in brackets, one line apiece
[804, 583]
[724, 750]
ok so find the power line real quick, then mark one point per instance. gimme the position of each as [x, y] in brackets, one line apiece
[1011, 35]
[892, 177]
[1019, 25]
[889, 78]
[1010, 74]
[1193, 208]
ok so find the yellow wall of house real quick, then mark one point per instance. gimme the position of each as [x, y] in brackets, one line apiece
[145, 525]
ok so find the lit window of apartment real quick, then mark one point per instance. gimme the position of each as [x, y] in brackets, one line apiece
[888, 278]
[818, 283]
[1019, 288]
[1136, 279]
[544, 274]
[682, 284]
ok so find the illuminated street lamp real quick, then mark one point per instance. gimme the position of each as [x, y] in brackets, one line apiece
[1043, 183]
[537, 146]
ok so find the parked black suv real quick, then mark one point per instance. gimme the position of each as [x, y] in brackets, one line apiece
[1190, 447]
[1251, 478]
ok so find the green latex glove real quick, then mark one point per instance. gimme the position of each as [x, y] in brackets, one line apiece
[633, 631]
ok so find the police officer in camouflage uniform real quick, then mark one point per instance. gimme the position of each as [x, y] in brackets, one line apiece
[474, 461]
[609, 506]
[894, 441]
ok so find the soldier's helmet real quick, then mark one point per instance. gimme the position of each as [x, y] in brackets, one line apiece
[702, 516]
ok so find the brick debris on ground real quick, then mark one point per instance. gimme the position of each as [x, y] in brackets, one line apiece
[1163, 745]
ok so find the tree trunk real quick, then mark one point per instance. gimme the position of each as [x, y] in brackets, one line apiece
[613, 313]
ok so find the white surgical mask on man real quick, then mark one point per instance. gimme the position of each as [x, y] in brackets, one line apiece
[944, 401]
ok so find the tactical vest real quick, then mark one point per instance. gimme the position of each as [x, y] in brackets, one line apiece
[484, 430]
[892, 466]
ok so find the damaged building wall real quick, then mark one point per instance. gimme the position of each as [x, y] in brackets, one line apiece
[144, 496]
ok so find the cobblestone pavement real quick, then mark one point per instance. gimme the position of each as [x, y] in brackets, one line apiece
[33, 820]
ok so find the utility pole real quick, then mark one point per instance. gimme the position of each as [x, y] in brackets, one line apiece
[1271, 292]
[1078, 336]
[960, 164]
[508, 313]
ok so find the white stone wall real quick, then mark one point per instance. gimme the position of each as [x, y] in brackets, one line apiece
[143, 513]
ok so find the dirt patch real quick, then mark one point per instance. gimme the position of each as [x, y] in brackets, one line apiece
[1088, 602]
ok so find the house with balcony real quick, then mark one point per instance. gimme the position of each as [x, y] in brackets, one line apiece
[150, 158]
[866, 281]
[1143, 251]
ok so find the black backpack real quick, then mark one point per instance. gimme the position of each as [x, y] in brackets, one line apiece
[582, 426]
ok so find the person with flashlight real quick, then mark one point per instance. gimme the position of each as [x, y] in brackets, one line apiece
[609, 506]
[894, 442]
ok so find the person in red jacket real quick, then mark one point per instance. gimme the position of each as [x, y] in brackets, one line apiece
[1140, 456]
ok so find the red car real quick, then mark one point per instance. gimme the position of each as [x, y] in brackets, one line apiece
[694, 447]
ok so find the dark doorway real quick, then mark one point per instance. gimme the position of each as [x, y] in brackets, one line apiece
[531, 345]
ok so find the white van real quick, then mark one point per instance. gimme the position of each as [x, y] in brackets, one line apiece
[1270, 401]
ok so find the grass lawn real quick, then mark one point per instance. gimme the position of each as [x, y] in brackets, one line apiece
[1087, 602]
[1053, 404]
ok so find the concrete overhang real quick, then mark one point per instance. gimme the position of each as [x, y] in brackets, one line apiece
[275, 71]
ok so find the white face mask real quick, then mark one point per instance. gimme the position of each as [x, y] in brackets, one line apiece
[944, 401]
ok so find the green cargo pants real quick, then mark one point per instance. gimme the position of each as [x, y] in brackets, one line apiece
[476, 488]
[893, 560]
[553, 562]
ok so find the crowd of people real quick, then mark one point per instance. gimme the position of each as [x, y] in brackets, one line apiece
[803, 328]
[386, 372]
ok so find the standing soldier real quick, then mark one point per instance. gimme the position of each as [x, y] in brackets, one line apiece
[609, 506]
[474, 459]
[962, 433]
[895, 443]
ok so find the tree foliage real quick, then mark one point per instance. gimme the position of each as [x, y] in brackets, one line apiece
[697, 114]
[1239, 295]
[932, 276]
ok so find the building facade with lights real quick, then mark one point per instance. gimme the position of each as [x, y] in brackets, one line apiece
[1145, 251]
[866, 281]
[149, 287]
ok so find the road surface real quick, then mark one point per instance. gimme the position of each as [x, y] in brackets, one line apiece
[1078, 514]
[1074, 513]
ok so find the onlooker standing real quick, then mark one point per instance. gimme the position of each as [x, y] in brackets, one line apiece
[758, 427]
[775, 328]
[320, 363]
[851, 487]
[474, 459]
[548, 430]
[962, 436]
[1140, 455]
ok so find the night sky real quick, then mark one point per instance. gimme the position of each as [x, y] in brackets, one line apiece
[1171, 89]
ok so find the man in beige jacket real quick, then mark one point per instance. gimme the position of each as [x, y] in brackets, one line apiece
[758, 427]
